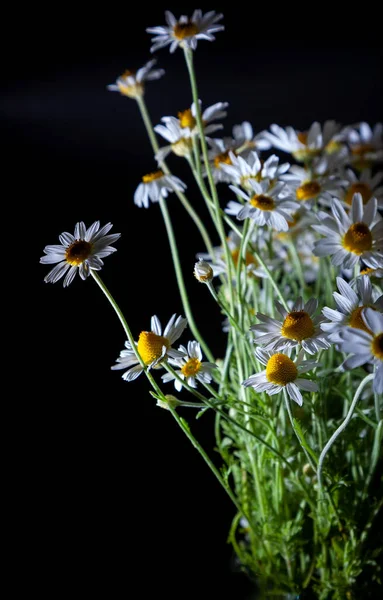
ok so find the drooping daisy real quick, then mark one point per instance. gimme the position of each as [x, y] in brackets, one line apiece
[366, 185]
[303, 145]
[282, 372]
[153, 346]
[203, 271]
[190, 367]
[185, 32]
[188, 118]
[351, 238]
[80, 252]
[241, 170]
[131, 83]
[307, 185]
[366, 144]
[365, 346]
[350, 305]
[155, 186]
[179, 138]
[298, 328]
[271, 205]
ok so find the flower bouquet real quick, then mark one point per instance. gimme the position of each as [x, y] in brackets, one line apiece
[294, 263]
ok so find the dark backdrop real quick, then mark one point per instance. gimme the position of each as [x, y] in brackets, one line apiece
[109, 495]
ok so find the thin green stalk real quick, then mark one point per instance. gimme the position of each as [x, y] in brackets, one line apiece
[186, 429]
[292, 421]
[341, 427]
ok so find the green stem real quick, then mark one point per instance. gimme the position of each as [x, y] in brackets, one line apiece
[292, 421]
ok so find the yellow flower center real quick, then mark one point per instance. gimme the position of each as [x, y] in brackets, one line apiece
[150, 346]
[302, 137]
[298, 326]
[191, 368]
[152, 176]
[262, 202]
[127, 73]
[367, 271]
[78, 252]
[186, 119]
[281, 369]
[356, 320]
[361, 149]
[182, 147]
[249, 260]
[377, 346]
[333, 146]
[184, 30]
[132, 91]
[358, 238]
[308, 190]
[361, 188]
[222, 158]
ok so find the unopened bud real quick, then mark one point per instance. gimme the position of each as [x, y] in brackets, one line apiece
[203, 271]
[170, 401]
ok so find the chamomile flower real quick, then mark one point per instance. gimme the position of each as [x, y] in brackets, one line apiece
[282, 372]
[365, 346]
[132, 83]
[219, 154]
[298, 328]
[190, 367]
[203, 271]
[366, 144]
[179, 138]
[350, 305]
[188, 118]
[80, 252]
[266, 205]
[351, 238]
[310, 186]
[186, 31]
[155, 186]
[366, 185]
[153, 346]
[241, 170]
[303, 145]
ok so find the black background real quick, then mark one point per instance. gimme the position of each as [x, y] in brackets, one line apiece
[109, 495]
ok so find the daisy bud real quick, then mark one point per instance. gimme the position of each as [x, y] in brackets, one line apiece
[170, 401]
[203, 271]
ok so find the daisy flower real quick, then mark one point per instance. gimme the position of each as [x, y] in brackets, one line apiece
[351, 238]
[366, 185]
[366, 144]
[350, 305]
[191, 368]
[80, 252]
[179, 138]
[365, 345]
[203, 271]
[220, 154]
[155, 186]
[185, 32]
[131, 83]
[241, 169]
[153, 347]
[188, 118]
[271, 205]
[282, 372]
[299, 327]
[310, 186]
[303, 145]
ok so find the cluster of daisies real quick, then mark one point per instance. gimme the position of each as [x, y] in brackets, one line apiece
[324, 200]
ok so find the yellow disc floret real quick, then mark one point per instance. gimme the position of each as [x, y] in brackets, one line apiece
[281, 370]
[78, 252]
[262, 202]
[152, 176]
[298, 326]
[150, 346]
[358, 188]
[377, 346]
[184, 30]
[356, 320]
[308, 190]
[186, 119]
[358, 238]
[222, 158]
[191, 367]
